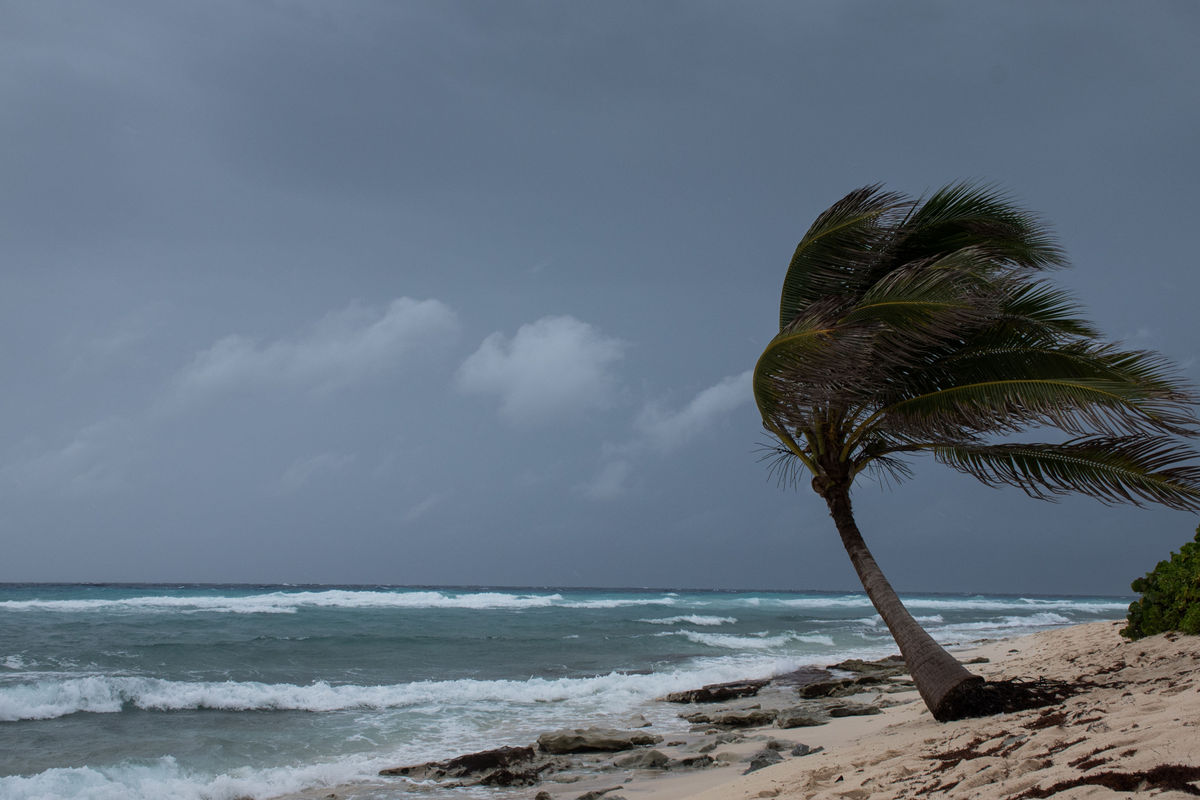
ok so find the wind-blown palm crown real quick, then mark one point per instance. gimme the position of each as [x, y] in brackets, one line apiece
[909, 326]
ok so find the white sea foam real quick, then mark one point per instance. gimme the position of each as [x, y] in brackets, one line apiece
[964, 604]
[753, 641]
[693, 619]
[13, 662]
[286, 602]
[622, 602]
[1043, 619]
[166, 778]
[48, 699]
[290, 602]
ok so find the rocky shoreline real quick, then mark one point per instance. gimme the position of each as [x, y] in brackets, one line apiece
[1131, 727]
[750, 724]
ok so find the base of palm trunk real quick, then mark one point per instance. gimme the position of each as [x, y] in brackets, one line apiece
[961, 701]
[976, 697]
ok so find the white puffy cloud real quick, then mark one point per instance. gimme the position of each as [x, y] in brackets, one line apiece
[552, 367]
[668, 430]
[344, 346]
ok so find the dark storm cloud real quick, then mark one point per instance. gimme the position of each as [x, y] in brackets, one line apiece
[468, 292]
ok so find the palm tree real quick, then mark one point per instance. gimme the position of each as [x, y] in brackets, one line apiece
[910, 327]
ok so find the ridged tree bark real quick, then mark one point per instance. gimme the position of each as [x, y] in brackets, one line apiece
[941, 680]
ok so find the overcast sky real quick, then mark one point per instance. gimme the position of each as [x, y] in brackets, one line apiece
[468, 293]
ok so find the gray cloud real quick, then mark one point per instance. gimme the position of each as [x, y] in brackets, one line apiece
[553, 368]
[304, 471]
[667, 430]
[94, 461]
[344, 346]
[662, 431]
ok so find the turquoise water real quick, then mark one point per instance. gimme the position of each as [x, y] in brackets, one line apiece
[218, 692]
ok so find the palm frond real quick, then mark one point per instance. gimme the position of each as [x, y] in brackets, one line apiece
[1039, 310]
[782, 465]
[967, 214]
[1010, 404]
[832, 258]
[1131, 469]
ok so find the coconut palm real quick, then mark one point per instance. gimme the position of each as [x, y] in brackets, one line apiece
[910, 327]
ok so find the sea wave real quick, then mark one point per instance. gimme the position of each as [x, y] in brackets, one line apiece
[1044, 619]
[753, 641]
[107, 694]
[621, 602]
[693, 619]
[166, 778]
[975, 603]
[290, 602]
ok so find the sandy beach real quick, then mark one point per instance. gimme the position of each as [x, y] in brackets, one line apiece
[1134, 727]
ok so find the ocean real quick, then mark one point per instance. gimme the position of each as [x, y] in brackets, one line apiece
[121, 692]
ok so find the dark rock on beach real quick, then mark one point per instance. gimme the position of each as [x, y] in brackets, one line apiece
[800, 717]
[717, 692]
[504, 766]
[853, 710]
[739, 718]
[883, 668]
[840, 687]
[593, 740]
[649, 759]
[763, 758]
[801, 677]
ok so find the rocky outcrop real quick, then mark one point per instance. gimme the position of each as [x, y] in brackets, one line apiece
[840, 687]
[888, 667]
[736, 718]
[800, 717]
[853, 710]
[717, 692]
[593, 740]
[801, 677]
[504, 766]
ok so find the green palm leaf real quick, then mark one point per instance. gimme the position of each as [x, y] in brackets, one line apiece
[1112, 469]
[829, 261]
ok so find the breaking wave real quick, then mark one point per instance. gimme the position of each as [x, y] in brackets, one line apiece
[753, 641]
[290, 602]
[49, 699]
[693, 619]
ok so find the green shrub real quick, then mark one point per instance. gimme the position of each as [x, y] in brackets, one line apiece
[1170, 596]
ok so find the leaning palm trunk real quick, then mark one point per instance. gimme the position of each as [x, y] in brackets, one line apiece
[909, 327]
[944, 683]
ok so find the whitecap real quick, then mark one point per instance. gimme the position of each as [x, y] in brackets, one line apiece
[290, 602]
[693, 619]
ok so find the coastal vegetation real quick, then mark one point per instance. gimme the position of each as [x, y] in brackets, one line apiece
[1170, 596]
[912, 327]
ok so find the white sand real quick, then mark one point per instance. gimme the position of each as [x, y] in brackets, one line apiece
[1143, 713]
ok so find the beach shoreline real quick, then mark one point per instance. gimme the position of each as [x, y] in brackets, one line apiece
[1134, 723]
